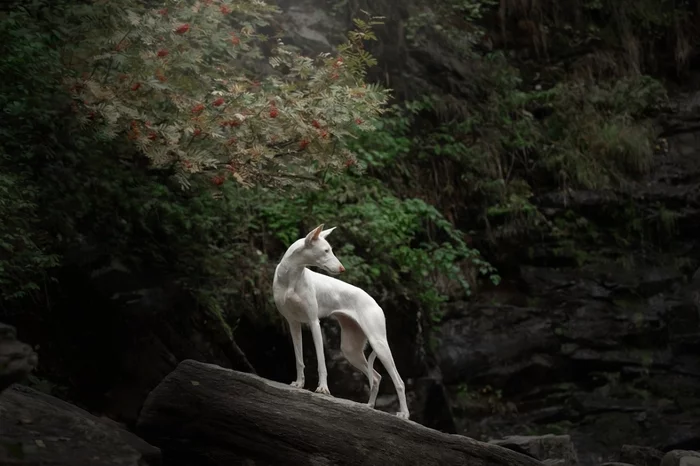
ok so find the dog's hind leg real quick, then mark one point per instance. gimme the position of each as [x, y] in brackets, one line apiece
[381, 348]
[375, 329]
[352, 344]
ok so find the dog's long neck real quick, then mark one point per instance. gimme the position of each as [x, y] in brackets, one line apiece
[290, 269]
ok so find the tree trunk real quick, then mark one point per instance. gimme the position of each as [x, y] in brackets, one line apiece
[206, 415]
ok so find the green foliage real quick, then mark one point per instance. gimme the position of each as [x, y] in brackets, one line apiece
[497, 154]
[605, 123]
[23, 255]
[487, 399]
[31, 111]
[453, 21]
[573, 125]
[472, 9]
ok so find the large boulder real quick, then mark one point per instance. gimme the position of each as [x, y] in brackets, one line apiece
[37, 429]
[640, 456]
[17, 359]
[681, 458]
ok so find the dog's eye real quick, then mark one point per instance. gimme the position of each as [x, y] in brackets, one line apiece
[327, 250]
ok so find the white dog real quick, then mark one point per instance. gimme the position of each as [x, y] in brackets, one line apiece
[304, 296]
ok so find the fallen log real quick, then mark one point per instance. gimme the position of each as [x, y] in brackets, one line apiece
[209, 416]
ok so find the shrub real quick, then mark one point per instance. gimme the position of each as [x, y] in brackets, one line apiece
[184, 84]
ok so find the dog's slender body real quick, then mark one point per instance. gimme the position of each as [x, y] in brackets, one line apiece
[303, 296]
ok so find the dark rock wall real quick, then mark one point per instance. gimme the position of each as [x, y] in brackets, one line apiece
[608, 351]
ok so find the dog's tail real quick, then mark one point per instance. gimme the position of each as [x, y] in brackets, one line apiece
[370, 368]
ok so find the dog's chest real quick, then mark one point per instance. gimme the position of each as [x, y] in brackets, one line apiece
[292, 305]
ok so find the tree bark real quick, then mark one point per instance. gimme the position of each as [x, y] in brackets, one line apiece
[206, 415]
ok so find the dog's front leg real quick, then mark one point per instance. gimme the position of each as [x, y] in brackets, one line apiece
[322, 371]
[295, 330]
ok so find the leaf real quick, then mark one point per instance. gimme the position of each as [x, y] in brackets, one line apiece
[133, 18]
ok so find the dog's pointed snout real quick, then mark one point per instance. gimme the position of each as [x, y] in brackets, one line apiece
[341, 269]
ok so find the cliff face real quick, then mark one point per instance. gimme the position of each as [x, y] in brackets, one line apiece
[606, 351]
[602, 348]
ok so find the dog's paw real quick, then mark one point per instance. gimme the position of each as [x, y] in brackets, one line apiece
[323, 389]
[297, 384]
[402, 415]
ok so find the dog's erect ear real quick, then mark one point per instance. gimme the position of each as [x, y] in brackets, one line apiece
[325, 233]
[313, 235]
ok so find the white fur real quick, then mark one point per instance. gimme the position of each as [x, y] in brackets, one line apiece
[303, 297]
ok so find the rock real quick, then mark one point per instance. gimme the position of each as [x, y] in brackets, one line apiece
[554, 462]
[206, 415]
[38, 429]
[17, 359]
[640, 456]
[606, 355]
[681, 458]
[543, 447]
[498, 344]
[411, 68]
[431, 404]
[309, 26]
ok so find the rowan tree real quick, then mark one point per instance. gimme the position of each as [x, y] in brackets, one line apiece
[188, 84]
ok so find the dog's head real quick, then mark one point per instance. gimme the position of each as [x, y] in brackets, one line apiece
[317, 251]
